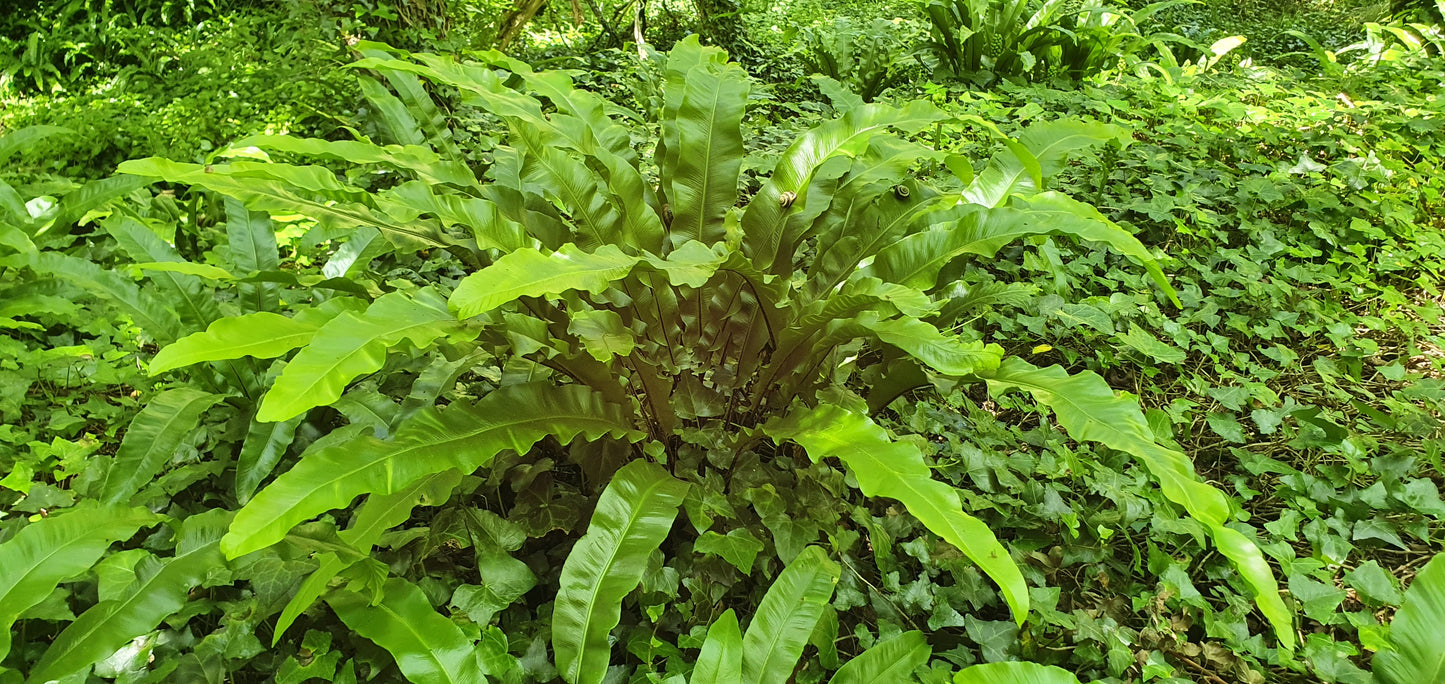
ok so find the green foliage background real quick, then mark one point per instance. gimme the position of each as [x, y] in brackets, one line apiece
[1290, 189]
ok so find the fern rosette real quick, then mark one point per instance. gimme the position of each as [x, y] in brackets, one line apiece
[635, 312]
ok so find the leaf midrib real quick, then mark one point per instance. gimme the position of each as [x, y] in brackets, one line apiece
[775, 234]
[66, 546]
[239, 349]
[879, 465]
[41, 563]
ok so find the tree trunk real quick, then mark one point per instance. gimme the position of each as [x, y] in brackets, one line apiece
[512, 24]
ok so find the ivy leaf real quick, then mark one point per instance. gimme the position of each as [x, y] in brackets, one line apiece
[1375, 586]
[1227, 427]
[1422, 495]
[1140, 340]
[504, 580]
[994, 637]
[1318, 599]
[738, 547]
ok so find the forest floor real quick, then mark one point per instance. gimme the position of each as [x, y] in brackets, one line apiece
[1294, 201]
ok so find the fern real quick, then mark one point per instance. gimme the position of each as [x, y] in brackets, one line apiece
[578, 308]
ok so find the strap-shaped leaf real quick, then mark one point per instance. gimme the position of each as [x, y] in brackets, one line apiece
[55, 549]
[603, 139]
[1051, 142]
[262, 335]
[428, 120]
[426, 164]
[19, 139]
[721, 659]
[862, 218]
[886, 662]
[916, 260]
[1087, 407]
[349, 346]
[276, 197]
[693, 264]
[1041, 151]
[766, 216]
[159, 590]
[488, 224]
[591, 109]
[75, 204]
[428, 648]
[253, 249]
[317, 181]
[196, 305]
[150, 313]
[263, 448]
[633, 516]
[379, 514]
[896, 470]
[1418, 631]
[464, 436]
[1014, 673]
[530, 273]
[946, 354]
[786, 617]
[185, 268]
[584, 128]
[684, 55]
[865, 225]
[391, 113]
[152, 438]
[962, 300]
[11, 236]
[704, 184]
[553, 173]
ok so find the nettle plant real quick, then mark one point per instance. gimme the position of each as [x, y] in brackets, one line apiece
[666, 332]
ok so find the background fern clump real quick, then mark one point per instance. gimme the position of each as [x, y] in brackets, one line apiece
[986, 40]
